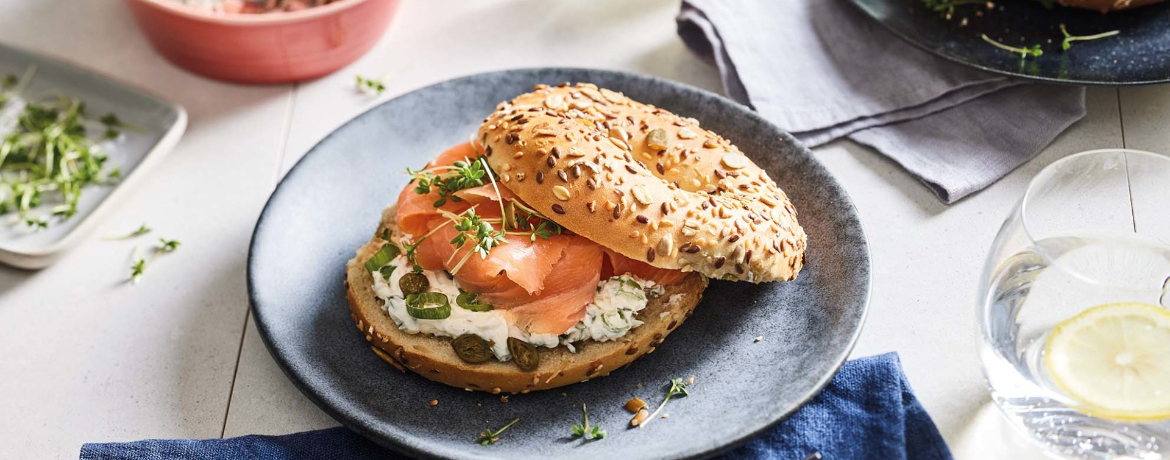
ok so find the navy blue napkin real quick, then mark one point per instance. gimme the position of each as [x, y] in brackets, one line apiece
[867, 412]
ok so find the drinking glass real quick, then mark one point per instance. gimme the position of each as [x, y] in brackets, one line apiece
[1092, 230]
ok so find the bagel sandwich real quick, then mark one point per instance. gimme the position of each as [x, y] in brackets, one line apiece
[571, 236]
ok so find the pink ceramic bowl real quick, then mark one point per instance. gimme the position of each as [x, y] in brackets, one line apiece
[264, 48]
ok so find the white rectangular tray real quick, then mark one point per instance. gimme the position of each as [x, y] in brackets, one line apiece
[162, 124]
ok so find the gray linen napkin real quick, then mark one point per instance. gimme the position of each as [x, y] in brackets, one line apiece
[821, 70]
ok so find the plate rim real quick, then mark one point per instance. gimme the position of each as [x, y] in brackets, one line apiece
[955, 59]
[700, 453]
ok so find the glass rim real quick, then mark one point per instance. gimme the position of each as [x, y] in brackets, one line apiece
[1035, 181]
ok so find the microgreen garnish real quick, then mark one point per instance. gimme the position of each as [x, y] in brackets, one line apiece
[139, 264]
[526, 221]
[446, 180]
[168, 245]
[488, 437]
[409, 250]
[496, 188]
[113, 126]
[142, 230]
[371, 85]
[678, 387]
[464, 174]
[1069, 38]
[472, 227]
[47, 151]
[585, 431]
[1033, 51]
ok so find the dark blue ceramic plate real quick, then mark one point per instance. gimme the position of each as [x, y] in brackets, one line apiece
[1140, 55]
[330, 203]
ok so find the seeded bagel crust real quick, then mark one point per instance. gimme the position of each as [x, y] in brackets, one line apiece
[433, 358]
[681, 198]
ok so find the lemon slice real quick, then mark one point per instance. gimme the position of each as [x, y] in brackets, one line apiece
[1114, 358]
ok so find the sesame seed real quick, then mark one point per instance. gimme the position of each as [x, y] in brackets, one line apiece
[661, 169]
[650, 255]
[631, 169]
[719, 262]
[540, 177]
[552, 161]
[733, 238]
[591, 205]
[558, 209]
[562, 175]
[617, 211]
[642, 219]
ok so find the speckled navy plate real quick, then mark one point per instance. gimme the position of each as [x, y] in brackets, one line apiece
[329, 204]
[1140, 55]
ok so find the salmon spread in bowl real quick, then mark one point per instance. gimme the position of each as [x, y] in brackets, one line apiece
[252, 6]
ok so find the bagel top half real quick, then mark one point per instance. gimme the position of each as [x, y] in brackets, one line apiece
[644, 182]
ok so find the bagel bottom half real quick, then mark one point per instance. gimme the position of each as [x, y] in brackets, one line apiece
[433, 358]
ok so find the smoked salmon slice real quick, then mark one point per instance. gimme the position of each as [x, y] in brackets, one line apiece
[415, 210]
[526, 263]
[566, 293]
[617, 264]
[544, 285]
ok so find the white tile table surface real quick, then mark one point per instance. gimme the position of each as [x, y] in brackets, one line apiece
[86, 357]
